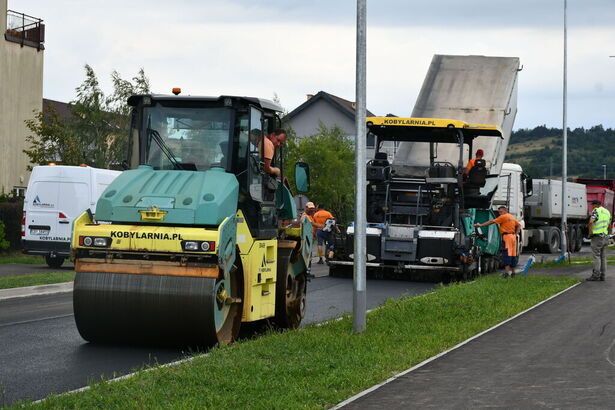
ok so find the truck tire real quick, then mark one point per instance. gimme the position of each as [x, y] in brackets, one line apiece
[579, 244]
[54, 261]
[553, 240]
[572, 238]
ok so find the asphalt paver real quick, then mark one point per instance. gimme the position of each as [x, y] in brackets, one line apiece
[559, 355]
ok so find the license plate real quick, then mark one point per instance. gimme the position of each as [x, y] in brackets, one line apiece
[39, 231]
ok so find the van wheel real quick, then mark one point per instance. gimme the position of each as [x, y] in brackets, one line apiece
[54, 261]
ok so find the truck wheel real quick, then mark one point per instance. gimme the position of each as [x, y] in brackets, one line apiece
[579, 243]
[553, 240]
[54, 261]
[572, 239]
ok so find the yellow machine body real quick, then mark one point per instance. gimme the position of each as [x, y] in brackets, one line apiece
[258, 257]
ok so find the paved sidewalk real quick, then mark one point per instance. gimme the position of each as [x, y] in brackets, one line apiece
[28, 291]
[559, 355]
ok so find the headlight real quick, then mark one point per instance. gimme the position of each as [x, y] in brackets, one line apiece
[102, 242]
[199, 246]
[191, 246]
[87, 241]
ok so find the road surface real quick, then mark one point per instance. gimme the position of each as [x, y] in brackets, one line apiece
[42, 352]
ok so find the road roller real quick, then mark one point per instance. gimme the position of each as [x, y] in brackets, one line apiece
[194, 238]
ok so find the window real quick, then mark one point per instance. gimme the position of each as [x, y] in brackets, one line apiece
[180, 137]
[370, 140]
[256, 141]
[19, 191]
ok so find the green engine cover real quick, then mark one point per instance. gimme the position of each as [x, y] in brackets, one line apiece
[491, 244]
[188, 197]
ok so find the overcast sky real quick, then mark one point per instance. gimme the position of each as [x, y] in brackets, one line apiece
[297, 47]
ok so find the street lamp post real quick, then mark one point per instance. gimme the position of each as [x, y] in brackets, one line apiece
[359, 307]
[564, 241]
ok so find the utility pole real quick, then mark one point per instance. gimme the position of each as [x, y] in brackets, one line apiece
[360, 219]
[564, 242]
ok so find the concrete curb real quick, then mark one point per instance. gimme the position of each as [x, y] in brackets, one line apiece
[457, 346]
[6, 294]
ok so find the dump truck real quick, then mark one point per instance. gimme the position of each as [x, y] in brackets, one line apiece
[419, 223]
[604, 191]
[537, 204]
[195, 238]
[473, 89]
[427, 170]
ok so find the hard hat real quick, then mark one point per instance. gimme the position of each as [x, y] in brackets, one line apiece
[310, 205]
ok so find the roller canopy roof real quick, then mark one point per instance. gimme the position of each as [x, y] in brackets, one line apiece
[428, 129]
[259, 102]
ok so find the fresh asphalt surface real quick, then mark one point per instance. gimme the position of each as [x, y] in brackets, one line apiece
[42, 352]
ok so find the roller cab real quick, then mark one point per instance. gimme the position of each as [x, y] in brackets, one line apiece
[193, 238]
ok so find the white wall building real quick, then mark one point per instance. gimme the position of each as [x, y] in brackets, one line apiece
[21, 91]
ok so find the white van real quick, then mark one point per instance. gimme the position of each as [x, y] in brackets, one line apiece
[56, 195]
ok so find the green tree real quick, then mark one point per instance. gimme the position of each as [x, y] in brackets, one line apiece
[96, 133]
[330, 154]
[52, 139]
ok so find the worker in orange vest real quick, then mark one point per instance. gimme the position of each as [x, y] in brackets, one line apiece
[509, 229]
[323, 233]
[471, 162]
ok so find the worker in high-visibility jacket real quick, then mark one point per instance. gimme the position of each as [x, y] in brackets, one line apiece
[599, 223]
[509, 229]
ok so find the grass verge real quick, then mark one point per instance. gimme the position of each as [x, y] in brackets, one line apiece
[17, 257]
[574, 261]
[18, 281]
[319, 366]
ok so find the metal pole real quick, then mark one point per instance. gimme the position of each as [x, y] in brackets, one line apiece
[360, 219]
[565, 139]
[603, 171]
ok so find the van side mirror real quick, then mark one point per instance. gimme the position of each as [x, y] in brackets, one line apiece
[302, 177]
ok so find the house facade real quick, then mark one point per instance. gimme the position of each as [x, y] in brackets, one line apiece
[21, 91]
[329, 110]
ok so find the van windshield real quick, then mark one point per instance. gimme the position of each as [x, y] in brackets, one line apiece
[193, 138]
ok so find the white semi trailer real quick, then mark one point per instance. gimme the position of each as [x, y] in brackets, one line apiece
[538, 205]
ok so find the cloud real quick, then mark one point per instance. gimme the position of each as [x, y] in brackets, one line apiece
[294, 48]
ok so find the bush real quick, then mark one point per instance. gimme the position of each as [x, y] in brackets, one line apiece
[4, 244]
[10, 217]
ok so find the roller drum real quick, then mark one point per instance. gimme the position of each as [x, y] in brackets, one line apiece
[152, 309]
